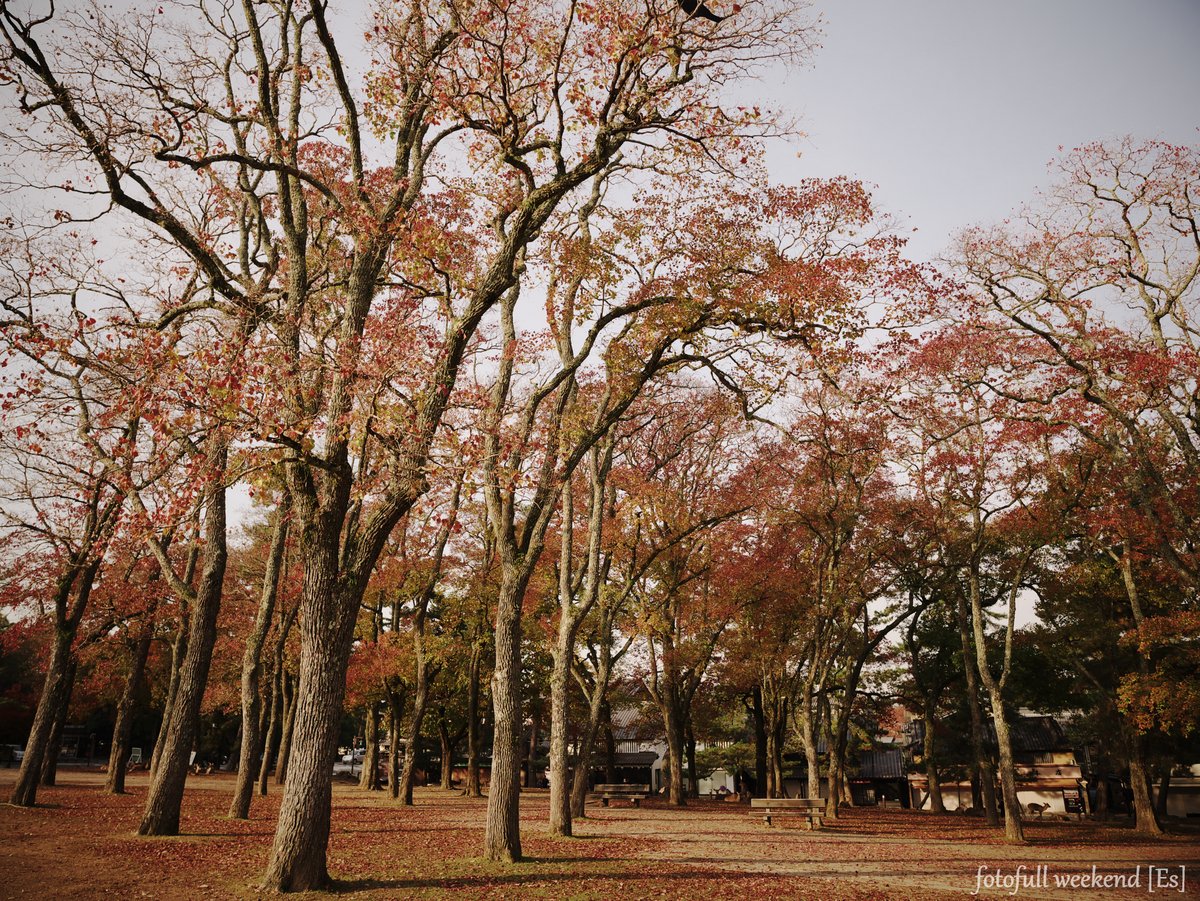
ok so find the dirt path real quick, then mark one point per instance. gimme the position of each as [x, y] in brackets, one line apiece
[80, 843]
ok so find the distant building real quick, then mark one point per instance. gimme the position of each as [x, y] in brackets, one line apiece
[1047, 771]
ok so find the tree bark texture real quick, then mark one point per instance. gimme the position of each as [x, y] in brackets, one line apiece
[54, 748]
[502, 838]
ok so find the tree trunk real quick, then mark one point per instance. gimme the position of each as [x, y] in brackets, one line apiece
[1100, 812]
[54, 688]
[298, 856]
[774, 715]
[834, 762]
[239, 808]
[369, 779]
[1013, 832]
[560, 765]
[808, 735]
[271, 733]
[835, 781]
[760, 745]
[118, 758]
[420, 704]
[932, 776]
[45, 734]
[983, 770]
[674, 729]
[1139, 781]
[165, 796]
[502, 839]
[49, 775]
[474, 789]
[610, 747]
[447, 755]
[178, 653]
[535, 737]
[395, 715]
[290, 706]
[583, 766]
[1139, 777]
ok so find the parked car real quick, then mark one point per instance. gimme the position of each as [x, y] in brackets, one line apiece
[11, 754]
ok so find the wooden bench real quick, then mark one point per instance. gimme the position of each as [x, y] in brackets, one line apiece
[631, 793]
[812, 809]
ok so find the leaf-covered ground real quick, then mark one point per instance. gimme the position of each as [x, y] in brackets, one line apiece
[80, 843]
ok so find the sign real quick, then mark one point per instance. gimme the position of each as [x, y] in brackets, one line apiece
[1072, 800]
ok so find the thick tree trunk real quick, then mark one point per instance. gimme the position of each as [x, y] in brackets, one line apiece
[1139, 781]
[674, 729]
[54, 749]
[560, 765]
[165, 796]
[39, 745]
[118, 758]
[502, 839]
[55, 688]
[239, 808]
[298, 856]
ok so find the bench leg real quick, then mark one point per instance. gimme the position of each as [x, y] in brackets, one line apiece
[604, 802]
[767, 820]
[636, 801]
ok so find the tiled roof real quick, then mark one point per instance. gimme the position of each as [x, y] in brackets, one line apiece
[1029, 734]
[887, 764]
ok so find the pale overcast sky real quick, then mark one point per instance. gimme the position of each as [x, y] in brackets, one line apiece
[954, 109]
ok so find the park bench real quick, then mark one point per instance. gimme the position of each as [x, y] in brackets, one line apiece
[812, 809]
[631, 793]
